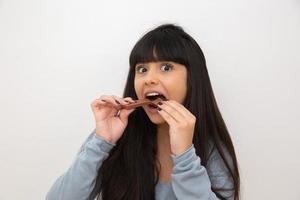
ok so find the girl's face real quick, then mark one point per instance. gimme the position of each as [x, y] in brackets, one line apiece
[166, 77]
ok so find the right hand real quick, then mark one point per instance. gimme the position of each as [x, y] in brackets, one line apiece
[108, 125]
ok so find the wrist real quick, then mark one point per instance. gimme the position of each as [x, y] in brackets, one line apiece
[106, 137]
[180, 151]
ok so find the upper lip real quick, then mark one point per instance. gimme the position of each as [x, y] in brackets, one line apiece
[150, 91]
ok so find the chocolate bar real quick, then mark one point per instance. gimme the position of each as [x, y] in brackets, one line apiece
[140, 102]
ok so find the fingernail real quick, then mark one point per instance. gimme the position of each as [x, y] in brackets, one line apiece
[117, 101]
[164, 99]
[127, 101]
[158, 108]
[160, 103]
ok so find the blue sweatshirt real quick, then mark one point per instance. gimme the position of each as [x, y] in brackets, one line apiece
[190, 180]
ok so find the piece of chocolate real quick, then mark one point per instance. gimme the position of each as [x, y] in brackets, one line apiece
[140, 102]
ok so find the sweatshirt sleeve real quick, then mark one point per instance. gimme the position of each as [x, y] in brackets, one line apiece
[191, 180]
[79, 180]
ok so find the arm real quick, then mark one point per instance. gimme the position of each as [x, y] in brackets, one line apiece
[191, 180]
[79, 180]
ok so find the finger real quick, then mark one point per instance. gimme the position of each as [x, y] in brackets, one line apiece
[98, 104]
[172, 111]
[111, 100]
[180, 108]
[129, 99]
[114, 103]
[105, 108]
[169, 119]
[120, 100]
[125, 113]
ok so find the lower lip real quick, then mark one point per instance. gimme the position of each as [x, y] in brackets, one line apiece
[152, 109]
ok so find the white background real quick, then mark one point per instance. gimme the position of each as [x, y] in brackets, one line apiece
[57, 56]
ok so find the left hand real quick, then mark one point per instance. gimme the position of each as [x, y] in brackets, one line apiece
[181, 122]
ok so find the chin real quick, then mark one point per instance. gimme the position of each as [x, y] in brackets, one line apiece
[155, 118]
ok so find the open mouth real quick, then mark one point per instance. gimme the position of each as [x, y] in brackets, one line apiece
[156, 96]
[153, 106]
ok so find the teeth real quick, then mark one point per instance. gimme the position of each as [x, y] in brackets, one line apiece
[152, 94]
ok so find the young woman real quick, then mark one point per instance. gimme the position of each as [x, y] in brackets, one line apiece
[179, 150]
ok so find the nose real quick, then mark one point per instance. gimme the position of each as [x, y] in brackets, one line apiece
[151, 80]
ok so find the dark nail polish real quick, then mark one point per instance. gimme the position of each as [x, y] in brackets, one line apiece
[160, 103]
[163, 98]
[158, 108]
[117, 101]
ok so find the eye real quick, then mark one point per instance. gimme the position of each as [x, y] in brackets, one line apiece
[167, 66]
[140, 69]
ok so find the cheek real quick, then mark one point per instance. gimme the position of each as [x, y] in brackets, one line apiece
[178, 88]
[137, 86]
[180, 91]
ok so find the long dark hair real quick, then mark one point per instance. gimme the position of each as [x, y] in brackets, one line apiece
[130, 171]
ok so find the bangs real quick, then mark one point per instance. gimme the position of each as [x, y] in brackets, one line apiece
[159, 46]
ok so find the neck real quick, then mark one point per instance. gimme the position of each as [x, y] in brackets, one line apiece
[163, 154]
[163, 138]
